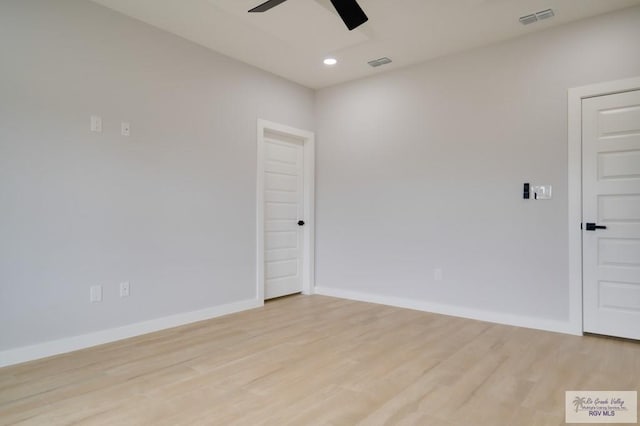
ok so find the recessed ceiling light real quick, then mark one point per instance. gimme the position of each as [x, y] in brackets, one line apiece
[330, 61]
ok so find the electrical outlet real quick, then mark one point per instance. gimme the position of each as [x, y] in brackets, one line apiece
[95, 294]
[125, 128]
[124, 289]
[437, 274]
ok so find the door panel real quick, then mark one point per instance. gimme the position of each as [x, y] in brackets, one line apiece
[619, 165]
[284, 206]
[611, 198]
[619, 252]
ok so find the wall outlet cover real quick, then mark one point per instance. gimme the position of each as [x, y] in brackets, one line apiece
[124, 289]
[437, 274]
[125, 128]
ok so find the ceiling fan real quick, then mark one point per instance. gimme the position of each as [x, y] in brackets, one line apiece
[349, 10]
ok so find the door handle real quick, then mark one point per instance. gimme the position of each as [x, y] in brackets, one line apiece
[593, 227]
[301, 223]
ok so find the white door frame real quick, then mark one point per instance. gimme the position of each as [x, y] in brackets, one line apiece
[575, 97]
[308, 266]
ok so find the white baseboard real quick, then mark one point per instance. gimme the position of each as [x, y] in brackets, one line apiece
[456, 311]
[69, 344]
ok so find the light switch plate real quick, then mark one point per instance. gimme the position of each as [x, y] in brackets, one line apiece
[95, 294]
[125, 128]
[542, 192]
[96, 123]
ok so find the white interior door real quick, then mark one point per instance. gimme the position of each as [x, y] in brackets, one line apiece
[611, 199]
[283, 216]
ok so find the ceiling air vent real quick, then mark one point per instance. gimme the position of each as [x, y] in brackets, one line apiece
[545, 14]
[529, 19]
[378, 62]
[535, 17]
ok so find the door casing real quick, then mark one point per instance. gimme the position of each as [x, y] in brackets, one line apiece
[575, 97]
[308, 266]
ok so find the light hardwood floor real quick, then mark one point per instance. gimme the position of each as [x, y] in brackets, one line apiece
[321, 361]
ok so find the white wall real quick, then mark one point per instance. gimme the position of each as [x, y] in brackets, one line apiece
[170, 209]
[417, 169]
[423, 168]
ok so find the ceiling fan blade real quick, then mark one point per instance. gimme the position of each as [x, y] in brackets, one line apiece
[267, 5]
[350, 12]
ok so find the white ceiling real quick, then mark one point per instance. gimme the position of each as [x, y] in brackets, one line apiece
[292, 39]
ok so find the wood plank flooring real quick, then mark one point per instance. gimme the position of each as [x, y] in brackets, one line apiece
[313, 360]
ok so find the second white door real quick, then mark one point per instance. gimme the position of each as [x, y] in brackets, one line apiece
[283, 216]
[611, 214]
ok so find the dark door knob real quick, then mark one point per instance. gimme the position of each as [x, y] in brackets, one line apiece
[593, 227]
[301, 223]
